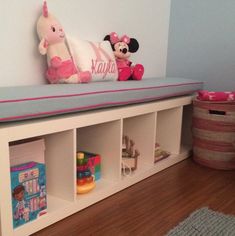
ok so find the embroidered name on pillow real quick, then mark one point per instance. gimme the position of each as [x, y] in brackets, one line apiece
[96, 57]
[98, 65]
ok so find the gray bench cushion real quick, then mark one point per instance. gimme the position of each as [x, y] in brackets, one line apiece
[26, 102]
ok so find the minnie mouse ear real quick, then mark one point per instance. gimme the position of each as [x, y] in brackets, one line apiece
[107, 37]
[133, 45]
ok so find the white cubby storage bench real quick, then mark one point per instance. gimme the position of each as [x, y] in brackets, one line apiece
[166, 121]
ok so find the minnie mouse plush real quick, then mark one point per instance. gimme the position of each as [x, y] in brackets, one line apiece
[123, 47]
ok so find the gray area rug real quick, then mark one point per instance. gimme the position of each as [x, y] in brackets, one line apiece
[205, 222]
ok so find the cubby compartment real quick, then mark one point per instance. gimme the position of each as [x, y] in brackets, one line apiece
[105, 140]
[59, 152]
[141, 130]
[168, 130]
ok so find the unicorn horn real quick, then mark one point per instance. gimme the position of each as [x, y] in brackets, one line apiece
[45, 9]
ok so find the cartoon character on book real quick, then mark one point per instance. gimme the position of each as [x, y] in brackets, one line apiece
[21, 209]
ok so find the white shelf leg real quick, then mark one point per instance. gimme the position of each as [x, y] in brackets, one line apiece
[60, 164]
[5, 190]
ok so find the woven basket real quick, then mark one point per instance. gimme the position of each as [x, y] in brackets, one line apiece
[214, 134]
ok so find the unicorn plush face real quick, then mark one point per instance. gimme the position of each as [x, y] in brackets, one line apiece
[49, 30]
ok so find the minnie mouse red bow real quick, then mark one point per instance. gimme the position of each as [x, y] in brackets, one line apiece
[115, 39]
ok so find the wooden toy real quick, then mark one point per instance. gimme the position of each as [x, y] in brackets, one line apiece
[159, 153]
[129, 155]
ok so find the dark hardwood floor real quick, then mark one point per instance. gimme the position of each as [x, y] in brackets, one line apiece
[155, 205]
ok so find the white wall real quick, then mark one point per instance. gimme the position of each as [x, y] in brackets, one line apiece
[145, 20]
[202, 42]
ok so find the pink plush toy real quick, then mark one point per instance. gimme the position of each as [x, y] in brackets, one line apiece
[123, 47]
[61, 68]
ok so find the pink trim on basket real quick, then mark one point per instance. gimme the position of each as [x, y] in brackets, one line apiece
[212, 145]
[220, 165]
[212, 125]
[85, 108]
[98, 92]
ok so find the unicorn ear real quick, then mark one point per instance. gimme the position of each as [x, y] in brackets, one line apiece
[42, 47]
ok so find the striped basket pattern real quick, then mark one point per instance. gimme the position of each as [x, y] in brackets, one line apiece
[214, 134]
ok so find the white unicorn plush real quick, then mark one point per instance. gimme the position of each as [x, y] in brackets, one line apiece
[61, 67]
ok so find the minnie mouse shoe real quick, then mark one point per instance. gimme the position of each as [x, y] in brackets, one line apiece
[138, 72]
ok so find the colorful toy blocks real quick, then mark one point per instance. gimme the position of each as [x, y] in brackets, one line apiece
[94, 163]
